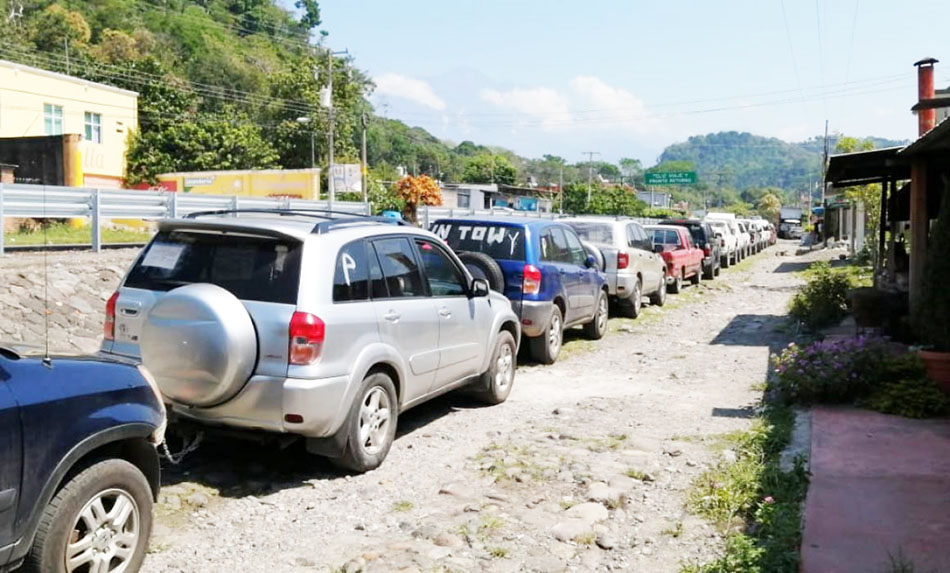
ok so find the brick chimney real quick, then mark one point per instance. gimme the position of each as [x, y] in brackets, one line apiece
[926, 118]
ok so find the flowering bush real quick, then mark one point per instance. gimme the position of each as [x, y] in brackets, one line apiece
[869, 371]
[837, 371]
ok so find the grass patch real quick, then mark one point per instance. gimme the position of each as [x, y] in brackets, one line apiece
[753, 501]
[403, 505]
[611, 442]
[65, 234]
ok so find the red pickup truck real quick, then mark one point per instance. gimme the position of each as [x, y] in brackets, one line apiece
[683, 260]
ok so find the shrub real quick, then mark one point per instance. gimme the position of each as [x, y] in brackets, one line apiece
[917, 397]
[822, 301]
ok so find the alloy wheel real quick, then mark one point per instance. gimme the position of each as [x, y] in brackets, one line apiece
[504, 368]
[374, 420]
[105, 534]
[554, 335]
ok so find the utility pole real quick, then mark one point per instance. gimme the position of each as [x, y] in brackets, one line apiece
[330, 115]
[66, 44]
[364, 120]
[590, 170]
[560, 188]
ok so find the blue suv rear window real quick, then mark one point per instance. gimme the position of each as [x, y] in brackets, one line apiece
[251, 268]
[500, 242]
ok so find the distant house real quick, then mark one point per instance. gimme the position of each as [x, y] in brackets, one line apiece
[63, 130]
[468, 195]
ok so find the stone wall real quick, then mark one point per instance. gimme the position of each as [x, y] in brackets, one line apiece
[79, 284]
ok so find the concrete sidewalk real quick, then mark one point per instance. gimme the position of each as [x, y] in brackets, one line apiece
[880, 485]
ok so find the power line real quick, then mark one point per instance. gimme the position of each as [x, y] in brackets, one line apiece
[791, 48]
[854, 25]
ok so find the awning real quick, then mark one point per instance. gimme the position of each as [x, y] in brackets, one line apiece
[864, 167]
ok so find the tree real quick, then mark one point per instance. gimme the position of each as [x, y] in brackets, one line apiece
[868, 195]
[604, 200]
[632, 171]
[55, 25]
[415, 191]
[311, 13]
[489, 168]
[769, 206]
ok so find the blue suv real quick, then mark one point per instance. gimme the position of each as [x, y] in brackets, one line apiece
[78, 463]
[543, 269]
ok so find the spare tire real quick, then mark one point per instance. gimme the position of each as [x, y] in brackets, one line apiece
[199, 343]
[597, 253]
[484, 267]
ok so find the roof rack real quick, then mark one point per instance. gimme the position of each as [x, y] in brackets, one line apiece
[346, 219]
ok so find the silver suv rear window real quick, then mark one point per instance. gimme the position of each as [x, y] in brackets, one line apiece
[250, 267]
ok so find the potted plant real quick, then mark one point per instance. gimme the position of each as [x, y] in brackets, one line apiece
[933, 313]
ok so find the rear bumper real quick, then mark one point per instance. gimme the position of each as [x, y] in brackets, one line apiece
[625, 284]
[264, 401]
[534, 316]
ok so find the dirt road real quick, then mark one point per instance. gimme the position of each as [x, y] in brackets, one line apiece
[586, 467]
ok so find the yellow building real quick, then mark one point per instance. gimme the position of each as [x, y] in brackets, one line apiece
[295, 183]
[35, 102]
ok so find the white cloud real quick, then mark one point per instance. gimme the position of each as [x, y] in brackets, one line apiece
[418, 91]
[543, 105]
[613, 106]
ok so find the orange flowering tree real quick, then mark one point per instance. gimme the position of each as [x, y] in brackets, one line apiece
[415, 191]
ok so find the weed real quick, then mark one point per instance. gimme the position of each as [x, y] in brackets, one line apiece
[499, 552]
[636, 474]
[403, 505]
[899, 563]
[586, 539]
[753, 500]
[65, 234]
[675, 530]
[490, 524]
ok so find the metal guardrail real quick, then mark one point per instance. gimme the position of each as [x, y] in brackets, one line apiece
[48, 201]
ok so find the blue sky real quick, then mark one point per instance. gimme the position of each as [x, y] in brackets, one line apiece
[627, 78]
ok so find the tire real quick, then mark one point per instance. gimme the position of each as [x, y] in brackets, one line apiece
[88, 510]
[709, 273]
[597, 327]
[658, 298]
[677, 285]
[596, 253]
[484, 267]
[495, 384]
[378, 418]
[694, 280]
[630, 308]
[717, 271]
[546, 347]
[725, 262]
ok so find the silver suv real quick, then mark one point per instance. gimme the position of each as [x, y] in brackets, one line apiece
[299, 323]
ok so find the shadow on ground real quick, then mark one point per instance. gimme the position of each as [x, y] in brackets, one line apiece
[756, 330]
[238, 467]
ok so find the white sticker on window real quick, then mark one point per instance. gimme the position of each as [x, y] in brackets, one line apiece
[163, 255]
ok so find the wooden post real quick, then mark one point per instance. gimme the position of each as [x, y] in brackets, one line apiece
[918, 230]
[881, 235]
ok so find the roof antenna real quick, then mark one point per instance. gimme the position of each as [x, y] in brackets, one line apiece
[47, 361]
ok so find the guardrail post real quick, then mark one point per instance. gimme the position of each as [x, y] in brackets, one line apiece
[425, 216]
[2, 239]
[96, 229]
[171, 205]
[235, 205]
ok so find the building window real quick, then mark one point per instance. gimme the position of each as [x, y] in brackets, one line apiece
[464, 200]
[53, 119]
[93, 127]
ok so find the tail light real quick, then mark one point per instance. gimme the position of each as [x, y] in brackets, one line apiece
[707, 250]
[532, 280]
[623, 260]
[306, 338]
[108, 327]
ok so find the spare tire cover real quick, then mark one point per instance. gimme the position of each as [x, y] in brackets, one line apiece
[598, 255]
[199, 343]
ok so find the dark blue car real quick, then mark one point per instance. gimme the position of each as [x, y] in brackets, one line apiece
[543, 269]
[78, 463]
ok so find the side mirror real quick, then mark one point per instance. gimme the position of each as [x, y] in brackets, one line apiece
[480, 287]
[590, 262]
[658, 249]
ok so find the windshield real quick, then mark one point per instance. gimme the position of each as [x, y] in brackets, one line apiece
[501, 242]
[251, 268]
[593, 232]
[665, 237]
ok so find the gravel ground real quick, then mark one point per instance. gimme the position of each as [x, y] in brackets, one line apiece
[585, 467]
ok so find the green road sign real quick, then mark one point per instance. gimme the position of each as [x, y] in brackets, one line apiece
[671, 178]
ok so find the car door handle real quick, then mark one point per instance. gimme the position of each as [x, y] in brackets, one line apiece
[391, 316]
[445, 312]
